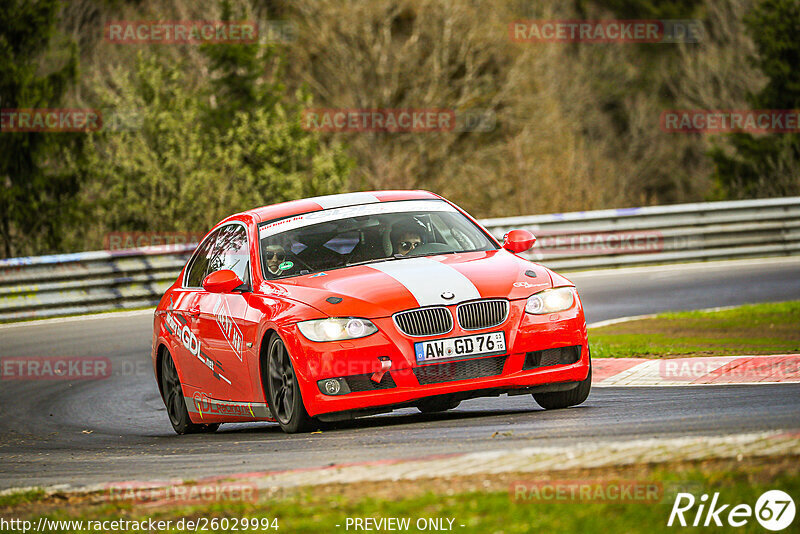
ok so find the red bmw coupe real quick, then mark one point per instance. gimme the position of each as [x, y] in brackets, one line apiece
[334, 307]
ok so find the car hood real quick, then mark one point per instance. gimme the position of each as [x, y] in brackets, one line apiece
[383, 288]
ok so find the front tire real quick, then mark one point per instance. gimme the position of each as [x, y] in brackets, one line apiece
[173, 400]
[563, 399]
[285, 400]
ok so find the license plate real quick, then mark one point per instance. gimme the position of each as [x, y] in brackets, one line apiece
[460, 347]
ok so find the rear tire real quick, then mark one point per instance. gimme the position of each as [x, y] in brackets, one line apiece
[563, 399]
[436, 405]
[173, 400]
[285, 400]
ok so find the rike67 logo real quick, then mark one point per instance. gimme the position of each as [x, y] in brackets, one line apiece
[774, 510]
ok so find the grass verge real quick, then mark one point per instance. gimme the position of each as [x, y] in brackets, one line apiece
[772, 328]
[484, 504]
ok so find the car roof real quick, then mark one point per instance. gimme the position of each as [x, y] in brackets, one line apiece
[307, 205]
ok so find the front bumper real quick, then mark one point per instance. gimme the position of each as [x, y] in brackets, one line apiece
[406, 381]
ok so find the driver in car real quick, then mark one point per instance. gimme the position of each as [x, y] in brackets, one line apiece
[275, 255]
[405, 238]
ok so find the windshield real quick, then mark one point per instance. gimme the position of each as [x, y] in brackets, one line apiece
[336, 238]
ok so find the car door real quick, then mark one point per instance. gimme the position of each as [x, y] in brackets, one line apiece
[182, 316]
[222, 323]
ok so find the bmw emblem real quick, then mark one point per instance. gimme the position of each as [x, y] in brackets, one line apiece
[448, 295]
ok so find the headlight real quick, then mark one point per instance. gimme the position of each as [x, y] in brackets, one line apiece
[551, 300]
[336, 328]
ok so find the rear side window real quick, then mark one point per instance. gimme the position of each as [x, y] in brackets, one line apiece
[198, 265]
[230, 251]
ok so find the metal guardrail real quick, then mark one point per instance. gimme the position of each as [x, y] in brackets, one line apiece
[661, 234]
[86, 282]
[49, 286]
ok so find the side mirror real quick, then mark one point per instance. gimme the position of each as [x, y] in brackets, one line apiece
[223, 281]
[517, 241]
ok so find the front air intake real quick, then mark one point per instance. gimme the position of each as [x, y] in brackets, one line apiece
[359, 383]
[549, 357]
[462, 370]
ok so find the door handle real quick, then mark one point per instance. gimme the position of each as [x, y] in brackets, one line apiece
[194, 311]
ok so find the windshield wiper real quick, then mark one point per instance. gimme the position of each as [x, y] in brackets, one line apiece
[394, 257]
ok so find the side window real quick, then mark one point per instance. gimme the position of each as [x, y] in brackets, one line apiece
[230, 251]
[198, 266]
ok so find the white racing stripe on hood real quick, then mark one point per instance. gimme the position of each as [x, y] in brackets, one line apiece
[427, 279]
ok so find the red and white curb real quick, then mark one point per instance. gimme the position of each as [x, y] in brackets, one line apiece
[717, 370]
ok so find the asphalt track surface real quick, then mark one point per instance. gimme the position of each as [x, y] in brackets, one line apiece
[89, 432]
